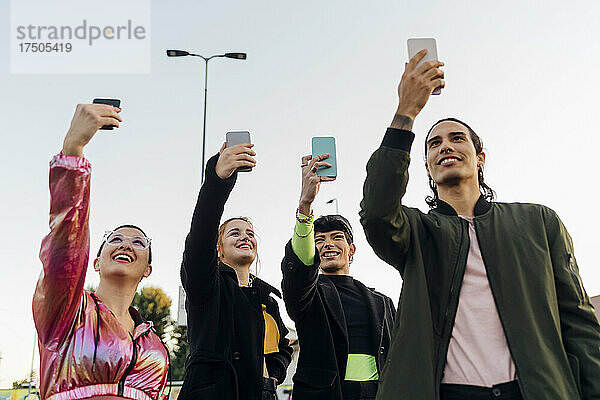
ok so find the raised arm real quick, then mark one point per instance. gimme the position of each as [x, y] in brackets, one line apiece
[382, 216]
[300, 270]
[65, 250]
[579, 325]
[199, 266]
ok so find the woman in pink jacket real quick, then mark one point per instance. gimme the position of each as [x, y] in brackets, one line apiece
[92, 345]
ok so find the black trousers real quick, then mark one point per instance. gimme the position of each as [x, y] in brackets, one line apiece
[503, 391]
[353, 390]
[269, 389]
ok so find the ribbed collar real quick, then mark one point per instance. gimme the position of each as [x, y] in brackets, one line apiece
[481, 207]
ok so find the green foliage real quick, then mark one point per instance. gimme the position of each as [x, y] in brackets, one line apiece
[179, 341]
[154, 305]
[19, 384]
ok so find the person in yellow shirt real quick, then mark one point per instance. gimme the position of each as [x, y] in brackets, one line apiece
[238, 348]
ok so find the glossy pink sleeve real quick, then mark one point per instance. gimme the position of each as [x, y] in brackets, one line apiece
[65, 250]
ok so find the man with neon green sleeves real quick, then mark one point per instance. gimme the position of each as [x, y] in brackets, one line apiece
[343, 327]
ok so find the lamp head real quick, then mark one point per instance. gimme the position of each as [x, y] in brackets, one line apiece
[239, 56]
[177, 53]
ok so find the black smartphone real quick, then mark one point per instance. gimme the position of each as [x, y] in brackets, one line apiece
[110, 102]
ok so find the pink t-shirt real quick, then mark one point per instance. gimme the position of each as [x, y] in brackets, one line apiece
[478, 353]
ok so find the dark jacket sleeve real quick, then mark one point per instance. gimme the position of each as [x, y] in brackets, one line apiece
[579, 325]
[199, 266]
[392, 310]
[299, 285]
[277, 363]
[382, 216]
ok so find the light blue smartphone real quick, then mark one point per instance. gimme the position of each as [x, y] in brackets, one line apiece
[325, 145]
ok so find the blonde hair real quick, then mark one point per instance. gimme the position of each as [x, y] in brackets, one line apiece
[221, 233]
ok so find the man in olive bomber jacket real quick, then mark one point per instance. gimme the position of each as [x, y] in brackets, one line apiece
[492, 304]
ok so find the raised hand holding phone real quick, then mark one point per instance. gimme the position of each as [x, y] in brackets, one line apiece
[418, 44]
[111, 102]
[417, 84]
[234, 157]
[238, 137]
[311, 181]
[88, 118]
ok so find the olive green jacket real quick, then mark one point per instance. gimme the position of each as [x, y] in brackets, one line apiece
[550, 326]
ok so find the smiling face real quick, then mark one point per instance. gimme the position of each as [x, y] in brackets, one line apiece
[334, 252]
[122, 258]
[451, 155]
[237, 244]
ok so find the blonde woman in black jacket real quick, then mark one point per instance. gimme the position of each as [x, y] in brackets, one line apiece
[238, 348]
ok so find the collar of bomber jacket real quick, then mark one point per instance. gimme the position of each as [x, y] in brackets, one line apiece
[481, 207]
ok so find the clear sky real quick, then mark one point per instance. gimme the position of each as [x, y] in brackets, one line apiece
[524, 75]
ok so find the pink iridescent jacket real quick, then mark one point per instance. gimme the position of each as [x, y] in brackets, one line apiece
[84, 350]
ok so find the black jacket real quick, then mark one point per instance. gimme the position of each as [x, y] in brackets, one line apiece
[225, 327]
[313, 302]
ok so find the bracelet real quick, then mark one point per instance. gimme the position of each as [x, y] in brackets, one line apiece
[303, 236]
[306, 220]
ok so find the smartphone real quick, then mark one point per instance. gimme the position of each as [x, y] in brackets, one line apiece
[110, 102]
[238, 137]
[325, 145]
[418, 44]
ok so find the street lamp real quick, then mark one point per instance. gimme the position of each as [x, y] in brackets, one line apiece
[336, 205]
[183, 53]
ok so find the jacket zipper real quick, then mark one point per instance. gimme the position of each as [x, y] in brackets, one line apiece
[450, 294]
[379, 366]
[121, 387]
[575, 277]
[499, 315]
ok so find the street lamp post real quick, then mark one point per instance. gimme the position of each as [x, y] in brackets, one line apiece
[337, 211]
[182, 53]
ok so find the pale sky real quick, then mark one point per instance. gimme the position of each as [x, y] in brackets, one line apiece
[522, 74]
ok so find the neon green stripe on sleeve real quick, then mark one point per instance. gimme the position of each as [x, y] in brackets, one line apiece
[303, 240]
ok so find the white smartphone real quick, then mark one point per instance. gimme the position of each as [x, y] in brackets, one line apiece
[415, 45]
[238, 137]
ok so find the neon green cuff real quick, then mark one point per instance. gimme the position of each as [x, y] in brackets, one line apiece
[361, 367]
[303, 240]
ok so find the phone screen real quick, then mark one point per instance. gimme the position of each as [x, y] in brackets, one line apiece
[325, 145]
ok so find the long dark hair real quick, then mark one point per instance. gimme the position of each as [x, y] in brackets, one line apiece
[487, 192]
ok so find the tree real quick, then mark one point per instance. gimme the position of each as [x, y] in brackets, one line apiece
[154, 305]
[19, 384]
[181, 349]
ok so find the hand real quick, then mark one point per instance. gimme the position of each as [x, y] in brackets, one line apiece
[234, 157]
[311, 182]
[87, 120]
[417, 84]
